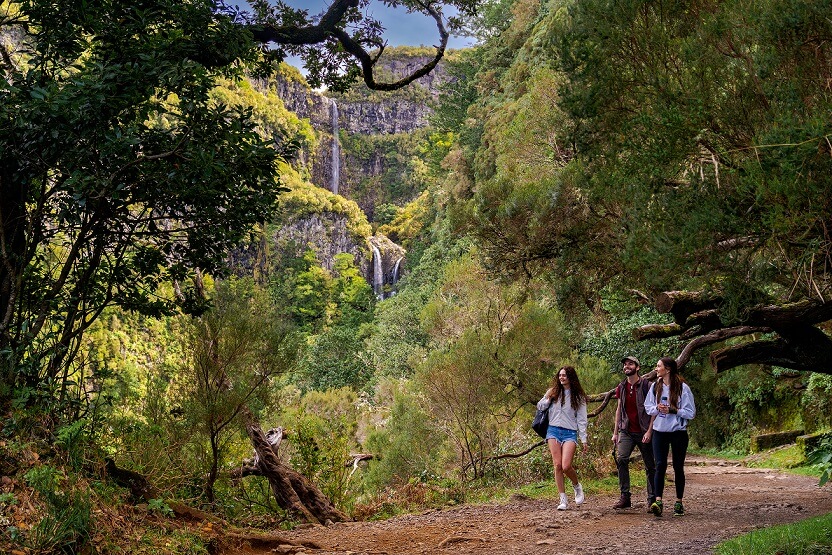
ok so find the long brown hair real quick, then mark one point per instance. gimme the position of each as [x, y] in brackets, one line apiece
[676, 382]
[577, 392]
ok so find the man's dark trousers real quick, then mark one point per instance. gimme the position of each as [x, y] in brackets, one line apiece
[627, 441]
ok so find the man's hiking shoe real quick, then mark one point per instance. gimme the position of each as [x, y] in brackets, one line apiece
[678, 509]
[623, 502]
[650, 501]
[579, 494]
[657, 507]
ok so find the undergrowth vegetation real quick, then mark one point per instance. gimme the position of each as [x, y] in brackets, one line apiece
[813, 536]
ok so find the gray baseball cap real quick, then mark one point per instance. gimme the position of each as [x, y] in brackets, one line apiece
[629, 357]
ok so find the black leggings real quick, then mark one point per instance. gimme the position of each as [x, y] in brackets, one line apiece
[662, 443]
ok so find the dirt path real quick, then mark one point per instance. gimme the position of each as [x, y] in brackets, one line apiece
[723, 500]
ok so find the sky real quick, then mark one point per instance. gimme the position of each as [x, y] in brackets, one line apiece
[402, 29]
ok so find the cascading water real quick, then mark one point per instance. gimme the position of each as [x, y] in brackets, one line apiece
[396, 269]
[378, 274]
[336, 155]
[396, 273]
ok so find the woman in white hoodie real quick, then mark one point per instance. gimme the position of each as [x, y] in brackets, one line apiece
[670, 403]
[567, 421]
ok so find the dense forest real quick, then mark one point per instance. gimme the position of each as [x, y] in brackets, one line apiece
[591, 179]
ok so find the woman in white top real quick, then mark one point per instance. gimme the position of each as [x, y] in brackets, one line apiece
[670, 403]
[567, 420]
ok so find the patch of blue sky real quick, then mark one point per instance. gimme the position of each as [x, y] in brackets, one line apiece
[401, 28]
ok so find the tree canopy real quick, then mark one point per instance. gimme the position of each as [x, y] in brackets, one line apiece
[342, 43]
[681, 146]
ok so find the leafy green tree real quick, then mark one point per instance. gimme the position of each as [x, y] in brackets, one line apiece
[706, 126]
[352, 294]
[237, 349]
[334, 357]
[323, 434]
[410, 445]
[118, 173]
[491, 347]
[663, 147]
[343, 43]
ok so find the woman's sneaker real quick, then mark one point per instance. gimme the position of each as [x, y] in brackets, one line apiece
[678, 509]
[564, 502]
[579, 494]
[657, 507]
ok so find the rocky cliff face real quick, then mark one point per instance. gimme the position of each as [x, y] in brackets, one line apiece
[363, 113]
[386, 117]
[327, 233]
[372, 130]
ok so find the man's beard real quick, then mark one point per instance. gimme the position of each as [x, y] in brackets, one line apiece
[629, 371]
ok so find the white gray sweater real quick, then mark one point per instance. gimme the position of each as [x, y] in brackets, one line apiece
[564, 416]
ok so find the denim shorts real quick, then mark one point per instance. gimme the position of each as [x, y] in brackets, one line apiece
[561, 435]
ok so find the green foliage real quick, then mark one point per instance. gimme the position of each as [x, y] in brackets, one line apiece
[822, 458]
[237, 349]
[324, 426]
[385, 213]
[290, 74]
[398, 343]
[317, 299]
[352, 294]
[126, 173]
[405, 171]
[714, 114]
[71, 439]
[135, 362]
[409, 445]
[408, 222]
[335, 359]
[817, 402]
[305, 290]
[159, 506]
[66, 526]
[812, 536]
[759, 400]
[492, 344]
[274, 121]
[306, 199]
[615, 339]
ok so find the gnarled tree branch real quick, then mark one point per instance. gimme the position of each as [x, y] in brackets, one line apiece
[328, 28]
[715, 337]
[804, 348]
[796, 342]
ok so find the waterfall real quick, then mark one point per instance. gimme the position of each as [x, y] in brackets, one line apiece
[395, 275]
[378, 274]
[336, 156]
[396, 269]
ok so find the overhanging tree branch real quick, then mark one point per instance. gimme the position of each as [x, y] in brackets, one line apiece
[795, 341]
[330, 27]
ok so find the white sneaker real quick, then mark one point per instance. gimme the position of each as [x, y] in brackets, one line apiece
[564, 502]
[579, 494]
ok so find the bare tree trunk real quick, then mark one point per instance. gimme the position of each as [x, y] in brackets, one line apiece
[212, 472]
[292, 491]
